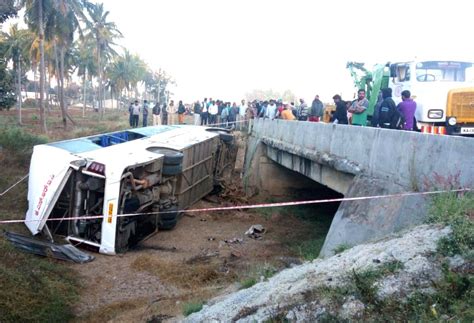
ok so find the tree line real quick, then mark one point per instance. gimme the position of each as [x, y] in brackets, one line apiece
[65, 38]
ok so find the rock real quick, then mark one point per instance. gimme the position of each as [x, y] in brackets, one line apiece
[256, 231]
[455, 262]
[287, 292]
[352, 309]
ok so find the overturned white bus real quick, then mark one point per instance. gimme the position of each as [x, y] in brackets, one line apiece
[156, 170]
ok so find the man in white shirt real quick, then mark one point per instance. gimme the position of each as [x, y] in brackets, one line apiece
[270, 113]
[135, 114]
[213, 110]
[241, 115]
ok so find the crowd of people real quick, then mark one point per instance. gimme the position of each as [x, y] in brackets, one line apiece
[226, 114]
[386, 113]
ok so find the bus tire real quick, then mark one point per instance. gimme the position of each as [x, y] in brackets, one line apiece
[170, 170]
[172, 157]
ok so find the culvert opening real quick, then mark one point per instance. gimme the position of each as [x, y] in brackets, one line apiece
[311, 221]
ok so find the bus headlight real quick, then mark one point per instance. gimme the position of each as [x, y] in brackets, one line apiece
[452, 121]
[435, 114]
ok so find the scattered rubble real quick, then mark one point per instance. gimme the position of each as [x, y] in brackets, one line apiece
[256, 231]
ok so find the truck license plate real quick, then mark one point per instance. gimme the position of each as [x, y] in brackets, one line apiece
[467, 130]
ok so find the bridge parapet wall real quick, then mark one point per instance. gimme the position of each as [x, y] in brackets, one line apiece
[410, 159]
[364, 161]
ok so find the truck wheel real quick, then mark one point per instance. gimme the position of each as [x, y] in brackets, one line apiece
[224, 134]
[172, 157]
[226, 137]
[170, 170]
[167, 225]
[169, 214]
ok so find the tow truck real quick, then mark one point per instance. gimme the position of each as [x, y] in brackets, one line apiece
[443, 91]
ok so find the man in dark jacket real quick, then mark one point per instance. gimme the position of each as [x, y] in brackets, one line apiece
[145, 113]
[197, 110]
[340, 115]
[387, 109]
[156, 111]
[316, 111]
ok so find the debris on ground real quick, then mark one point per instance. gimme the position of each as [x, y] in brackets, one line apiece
[43, 248]
[234, 241]
[203, 257]
[256, 231]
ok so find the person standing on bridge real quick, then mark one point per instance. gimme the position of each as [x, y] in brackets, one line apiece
[271, 110]
[387, 110]
[212, 110]
[407, 108]
[340, 115]
[303, 111]
[316, 111]
[287, 114]
[359, 108]
[171, 110]
[204, 112]
[181, 111]
[197, 113]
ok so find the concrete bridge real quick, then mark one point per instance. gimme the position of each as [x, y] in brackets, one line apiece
[359, 161]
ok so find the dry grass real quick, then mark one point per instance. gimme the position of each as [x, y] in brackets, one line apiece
[111, 311]
[185, 276]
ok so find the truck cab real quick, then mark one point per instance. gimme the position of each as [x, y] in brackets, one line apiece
[443, 91]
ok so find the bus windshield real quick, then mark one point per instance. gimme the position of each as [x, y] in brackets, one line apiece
[442, 71]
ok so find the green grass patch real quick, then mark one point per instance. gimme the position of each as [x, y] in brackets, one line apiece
[248, 282]
[341, 248]
[457, 211]
[257, 273]
[192, 307]
[317, 220]
[34, 289]
[16, 140]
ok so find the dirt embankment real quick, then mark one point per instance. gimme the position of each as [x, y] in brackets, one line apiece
[206, 255]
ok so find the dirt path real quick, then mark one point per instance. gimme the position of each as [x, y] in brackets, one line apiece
[203, 256]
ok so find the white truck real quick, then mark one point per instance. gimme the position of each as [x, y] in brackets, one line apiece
[443, 91]
[149, 173]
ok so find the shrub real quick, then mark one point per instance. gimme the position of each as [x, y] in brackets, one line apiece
[192, 307]
[457, 211]
[16, 140]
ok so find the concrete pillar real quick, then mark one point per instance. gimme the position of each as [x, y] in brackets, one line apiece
[357, 222]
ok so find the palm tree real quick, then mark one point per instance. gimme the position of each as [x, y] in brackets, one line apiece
[104, 32]
[17, 43]
[34, 16]
[85, 64]
[63, 21]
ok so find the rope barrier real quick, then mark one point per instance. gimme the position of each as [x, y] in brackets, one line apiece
[251, 206]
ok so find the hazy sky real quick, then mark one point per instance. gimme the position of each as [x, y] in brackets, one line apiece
[224, 49]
